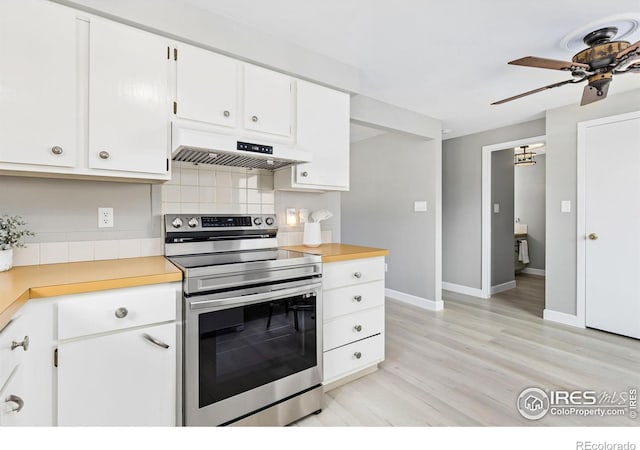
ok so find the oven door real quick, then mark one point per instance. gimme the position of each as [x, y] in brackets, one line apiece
[248, 349]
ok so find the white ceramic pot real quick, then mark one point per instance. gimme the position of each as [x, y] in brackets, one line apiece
[6, 260]
[312, 236]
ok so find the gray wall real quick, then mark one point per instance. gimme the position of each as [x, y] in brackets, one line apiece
[60, 210]
[530, 207]
[561, 185]
[502, 193]
[462, 200]
[388, 173]
[311, 201]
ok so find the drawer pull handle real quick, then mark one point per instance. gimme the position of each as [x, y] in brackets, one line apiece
[357, 275]
[357, 355]
[357, 328]
[155, 341]
[121, 313]
[17, 400]
[357, 298]
[104, 155]
[24, 344]
[57, 150]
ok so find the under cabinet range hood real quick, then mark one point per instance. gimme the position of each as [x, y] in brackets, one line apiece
[199, 145]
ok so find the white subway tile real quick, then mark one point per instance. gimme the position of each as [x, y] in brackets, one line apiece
[189, 176]
[223, 179]
[170, 193]
[295, 238]
[190, 208]
[224, 208]
[253, 209]
[54, 252]
[207, 195]
[283, 238]
[223, 195]
[326, 236]
[239, 196]
[268, 209]
[253, 196]
[151, 247]
[266, 182]
[81, 251]
[207, 208]
[206, 178]
[28, 256]
[175, 175]
[189, 194]
[128, 248]
[239, 180]
[268, 198]
[105, 250]
[171, 208]
[253, 181]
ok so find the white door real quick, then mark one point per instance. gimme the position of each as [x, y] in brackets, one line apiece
[207, 86]
[612, 227]
[323, 130]
[37, 83]
[129, 104]
[120, 379]
[267, 101]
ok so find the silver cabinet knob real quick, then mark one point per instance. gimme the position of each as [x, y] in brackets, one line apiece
[593, 236]
[227, 113]
[357, 355]
[24, 344]
[57, 150]
[121, 313]
[155, 341]
[357, 298]
[357, 328]
[104, 155]
[17, 400]
[254, 118]
[305, 174]
[357, 275]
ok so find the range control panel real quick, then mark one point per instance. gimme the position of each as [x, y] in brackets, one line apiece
[257, 148]
[192, 223]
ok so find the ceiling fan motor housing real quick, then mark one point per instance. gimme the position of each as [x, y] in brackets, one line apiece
[601, 55]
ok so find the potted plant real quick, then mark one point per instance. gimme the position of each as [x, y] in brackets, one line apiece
[11, 235]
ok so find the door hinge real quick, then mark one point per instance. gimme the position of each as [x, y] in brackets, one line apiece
[168, 52]
[55, 358]
[175, 54]
[175, 107]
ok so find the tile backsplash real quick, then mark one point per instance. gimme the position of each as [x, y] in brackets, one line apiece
[208, 189]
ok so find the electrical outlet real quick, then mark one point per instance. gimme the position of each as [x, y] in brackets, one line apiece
[105, 217]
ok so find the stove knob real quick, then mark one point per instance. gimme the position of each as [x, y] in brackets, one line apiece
[193, 222]
[257, 221]
[269, 221]
[177, 222]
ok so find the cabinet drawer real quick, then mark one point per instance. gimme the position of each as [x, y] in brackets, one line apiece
[344, 360]
[351, 299]
[353, 327]
[96, 312]
[9, 359]
[347, 273]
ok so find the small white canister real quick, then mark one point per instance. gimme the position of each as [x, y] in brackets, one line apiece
[6, 260]
[312, 236]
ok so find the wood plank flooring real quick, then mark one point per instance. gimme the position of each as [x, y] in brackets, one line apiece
[466, 365]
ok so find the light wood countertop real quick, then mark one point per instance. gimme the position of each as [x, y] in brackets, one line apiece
[20, 284]
[339, 252]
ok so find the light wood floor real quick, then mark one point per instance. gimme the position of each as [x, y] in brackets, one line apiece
[467, 365]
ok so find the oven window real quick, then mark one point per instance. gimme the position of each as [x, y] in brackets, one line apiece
[249, 346]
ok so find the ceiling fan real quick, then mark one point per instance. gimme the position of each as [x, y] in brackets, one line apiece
[597, 64]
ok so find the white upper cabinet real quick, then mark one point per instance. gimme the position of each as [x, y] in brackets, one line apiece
[207, 86]
[129, 99]
[37, 83]
[322, 129]
[267, 101]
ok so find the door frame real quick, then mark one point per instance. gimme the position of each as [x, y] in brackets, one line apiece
[581, 204]
[486, 204]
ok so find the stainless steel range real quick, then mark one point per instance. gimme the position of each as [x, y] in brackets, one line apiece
[252, 335]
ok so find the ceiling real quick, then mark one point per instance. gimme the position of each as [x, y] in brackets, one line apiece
[445, 59]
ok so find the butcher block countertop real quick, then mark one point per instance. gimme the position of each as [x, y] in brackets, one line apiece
[339, 252]
[21, 284]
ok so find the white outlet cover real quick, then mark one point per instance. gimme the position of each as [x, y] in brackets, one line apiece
[105, 217]
[496, 208]
[565, 206]
[420, 206]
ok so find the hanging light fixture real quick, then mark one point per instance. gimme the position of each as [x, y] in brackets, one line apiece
[525, 158]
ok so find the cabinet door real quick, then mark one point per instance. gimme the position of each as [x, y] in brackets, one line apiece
[267, 101]
[207, 86]
[129, 105]
[323, 129]
[13, 403]
[121, 379]
[37, 83]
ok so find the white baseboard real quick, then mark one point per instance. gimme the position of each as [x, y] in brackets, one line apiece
[560, 317]
[503, 287]
[460, 289]
[420, 302]
[532, 271]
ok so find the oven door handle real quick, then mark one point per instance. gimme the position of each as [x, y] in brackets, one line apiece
[249, 299]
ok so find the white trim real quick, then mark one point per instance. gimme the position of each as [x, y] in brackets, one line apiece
[503, 287]
[581, 233]
[460, 289]
[420, 302]
[563, 318]
[486, 204]
[532, 271]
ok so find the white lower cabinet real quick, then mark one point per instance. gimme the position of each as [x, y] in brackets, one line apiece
[13, 400]
[353, 316]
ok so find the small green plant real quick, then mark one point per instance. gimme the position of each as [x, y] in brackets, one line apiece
[12, 232]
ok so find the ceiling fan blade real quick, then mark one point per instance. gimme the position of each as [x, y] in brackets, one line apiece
[632, 48]
[544, 63]
[593, 94]
[535, 91]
